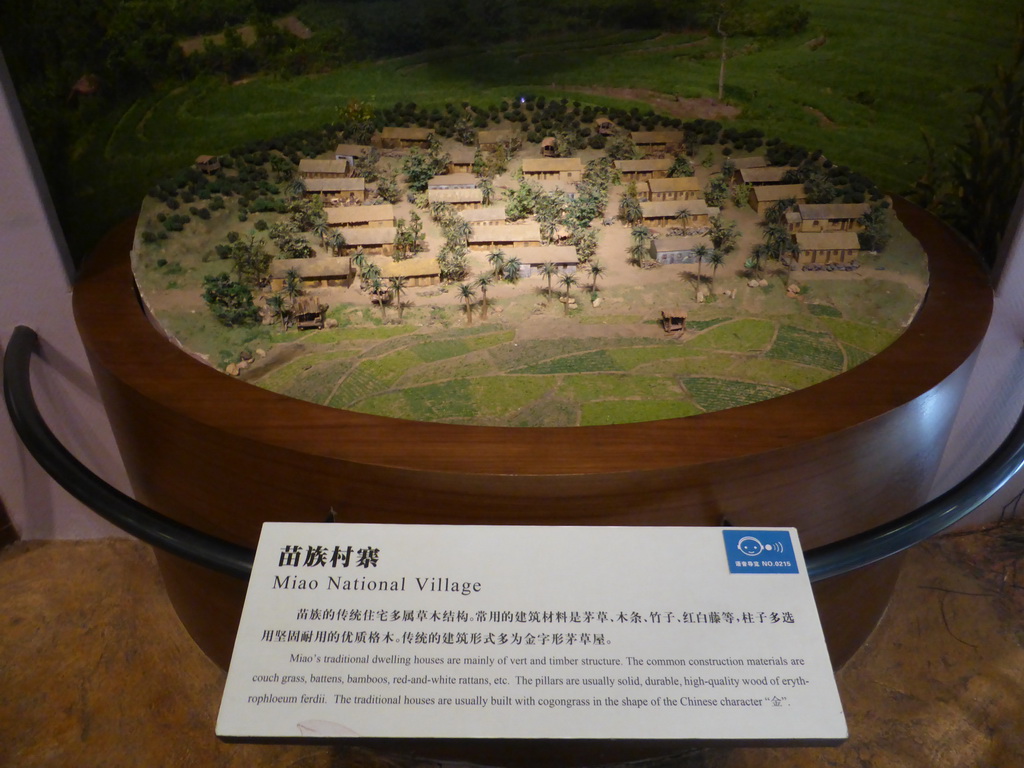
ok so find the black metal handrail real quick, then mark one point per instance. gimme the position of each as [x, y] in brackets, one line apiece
[153, 528]
[78, 480]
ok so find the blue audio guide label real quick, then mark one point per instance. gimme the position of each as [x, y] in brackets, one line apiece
[760, 551]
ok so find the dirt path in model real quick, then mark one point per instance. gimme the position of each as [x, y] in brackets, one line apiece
[666, 103]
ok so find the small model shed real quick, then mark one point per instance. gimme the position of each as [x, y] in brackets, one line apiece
[673, 320]
[604, 126]
[548, 147]
[308, 314]
[208, 163]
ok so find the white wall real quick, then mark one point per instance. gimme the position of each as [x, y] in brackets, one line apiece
[35, 291]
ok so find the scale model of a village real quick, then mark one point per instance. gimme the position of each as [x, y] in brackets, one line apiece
[534, 263]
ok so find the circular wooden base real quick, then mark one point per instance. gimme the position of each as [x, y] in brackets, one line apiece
[832, 460]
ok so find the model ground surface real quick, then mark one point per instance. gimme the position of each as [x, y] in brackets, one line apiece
[533, 352]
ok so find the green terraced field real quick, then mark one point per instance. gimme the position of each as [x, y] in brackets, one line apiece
[492, 376]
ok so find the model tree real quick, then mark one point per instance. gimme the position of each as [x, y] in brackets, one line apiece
[251, 261]
[397, 285]
[681, 166]
[596, 270]
[230, 301]
[701, 253]
[720, 14]
[568, 281]
[716, 259]
[387, 187]
[876, 234]
[584, 239]
[640, 246]
[512, 270]
[467, 294]
[483, 283]
[548, 270]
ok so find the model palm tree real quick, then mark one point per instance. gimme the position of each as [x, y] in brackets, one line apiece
[370, 272]
[684, 216]
[377, 289]
[724, 234]
[321, 229]
[716, 259]
[776, 213]
[758, 255]
[641, 234]
[547, 230]
[483, 283]
[292, 285]
[596, 270]
[359, 261]
[397, 285]
[548, 270]
[467, 294]
[512, 270]
[640, 246]
[336, 241]
[701, 253]
[497, 260]
[278, 310]
[568, 281]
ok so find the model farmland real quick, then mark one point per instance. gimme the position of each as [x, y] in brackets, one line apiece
[532, 263]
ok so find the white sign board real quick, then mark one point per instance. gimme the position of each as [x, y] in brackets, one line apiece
[470, 632]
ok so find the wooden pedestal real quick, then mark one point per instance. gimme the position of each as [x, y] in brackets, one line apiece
[832, 460]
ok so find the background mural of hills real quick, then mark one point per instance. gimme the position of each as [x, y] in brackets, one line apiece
[114, 102]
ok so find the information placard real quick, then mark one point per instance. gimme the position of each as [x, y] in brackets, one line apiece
[419, 631]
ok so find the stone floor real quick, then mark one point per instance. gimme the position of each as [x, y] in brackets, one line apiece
[95, 669]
